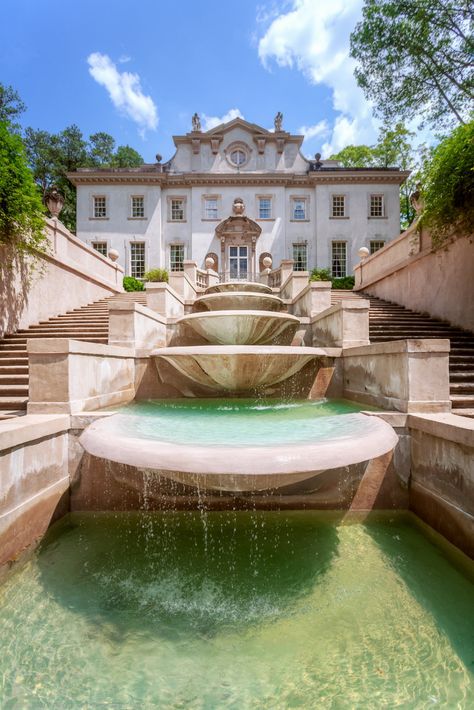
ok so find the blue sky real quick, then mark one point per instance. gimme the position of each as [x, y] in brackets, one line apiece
[139, 70]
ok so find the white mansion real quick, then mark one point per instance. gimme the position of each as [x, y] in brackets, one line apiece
[312, 211]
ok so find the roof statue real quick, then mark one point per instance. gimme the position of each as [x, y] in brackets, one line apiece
[196, 122]
[278, 121]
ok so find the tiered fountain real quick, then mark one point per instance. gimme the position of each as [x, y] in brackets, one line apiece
[240, 445]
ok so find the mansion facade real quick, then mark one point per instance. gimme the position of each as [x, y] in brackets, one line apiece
[312, 211]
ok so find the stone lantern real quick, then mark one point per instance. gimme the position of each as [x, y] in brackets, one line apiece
[54, 201]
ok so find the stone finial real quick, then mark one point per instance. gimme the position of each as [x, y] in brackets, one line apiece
[54, 201]
[416, 200]
[278, 121]
[209, 262]
[113, 254]
[158, 158]
[196, 122]
[317, 161]
[363, 253]
[238, 207]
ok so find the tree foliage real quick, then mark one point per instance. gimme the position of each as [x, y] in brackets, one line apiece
[416, 59]
[448, 186]
[51, 156]
[11, 106]
[21, 208]
[393, 149]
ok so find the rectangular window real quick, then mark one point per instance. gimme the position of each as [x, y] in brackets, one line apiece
[100, 207]
[338, 206]
[375, 245]
[300, 257]
[339, 259]
[177, 209]
[101, 247]
[138, 206]
[299, 208]
[264, 207]
[177, 257]
[210, 208]
[137, 259]
[376, 206]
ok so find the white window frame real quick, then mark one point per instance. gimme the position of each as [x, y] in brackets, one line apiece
[99, 243]
[382, 242]
[176, 198]
[299, 198]
[338, 242]
[296, 265]
[105, 207]
[260, 198]
[133, 207]
[131, 259]
[205, 213]
[338, 196]
[172, 263]
[378, 195]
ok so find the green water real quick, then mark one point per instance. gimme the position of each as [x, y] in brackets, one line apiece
[238, 421]
[236, 610]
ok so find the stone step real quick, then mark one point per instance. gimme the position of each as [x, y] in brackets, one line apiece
[456, 359]
[461, 387]
[13, 403]
[11, 414]
[461, 375]
[13, 379]
[464, 413]
[14, 390]
[460, 401]
[13, 348]
[33, 333]
[13, 369]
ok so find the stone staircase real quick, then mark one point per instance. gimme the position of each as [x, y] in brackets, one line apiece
[89, 323]
[389, 321]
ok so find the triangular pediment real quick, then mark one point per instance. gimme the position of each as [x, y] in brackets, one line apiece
[237, 123]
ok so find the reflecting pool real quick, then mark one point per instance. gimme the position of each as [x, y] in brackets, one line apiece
[237, 610]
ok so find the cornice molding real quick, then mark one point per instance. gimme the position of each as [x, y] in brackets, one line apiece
[311, 179]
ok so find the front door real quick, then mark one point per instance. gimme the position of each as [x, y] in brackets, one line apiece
[238, 262]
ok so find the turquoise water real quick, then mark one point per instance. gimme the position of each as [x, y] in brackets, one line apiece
[237, 610]
[238, 421]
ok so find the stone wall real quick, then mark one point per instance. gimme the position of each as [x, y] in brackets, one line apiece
[407, 271]
[70, 275]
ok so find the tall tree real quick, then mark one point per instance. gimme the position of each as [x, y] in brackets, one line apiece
[355, 156]
[21, 208]
[102, 147]
[11, 106]
[416, 59]
[126, 157]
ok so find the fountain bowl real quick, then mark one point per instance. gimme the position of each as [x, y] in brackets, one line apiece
[237, 368]
[231, 286]
[240, 468]
[243, 327]
[238, 301]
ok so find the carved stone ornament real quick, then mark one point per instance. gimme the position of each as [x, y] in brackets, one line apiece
[54, 201]
[196, 143]
[215, 145]
[416, 200]
[261, 145]
[278, 121]
[196, 122]
[238, 207]
[280, 144]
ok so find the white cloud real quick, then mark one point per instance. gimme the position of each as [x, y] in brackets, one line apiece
[319, 129]
[124, 59]
[125, 91]
[209, 122]
[314, 38]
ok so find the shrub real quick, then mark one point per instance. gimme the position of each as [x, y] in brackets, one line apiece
[21, 210]
[156, 275]
[449, 186]
[343, 282]
[132, 284]
[320, 275]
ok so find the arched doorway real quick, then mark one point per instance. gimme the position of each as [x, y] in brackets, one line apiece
[238, 237]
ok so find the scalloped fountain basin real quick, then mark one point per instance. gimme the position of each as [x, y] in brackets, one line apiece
[235, 445]
[237, 368]
[232, 286]
[238, 301]
[243, 327]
